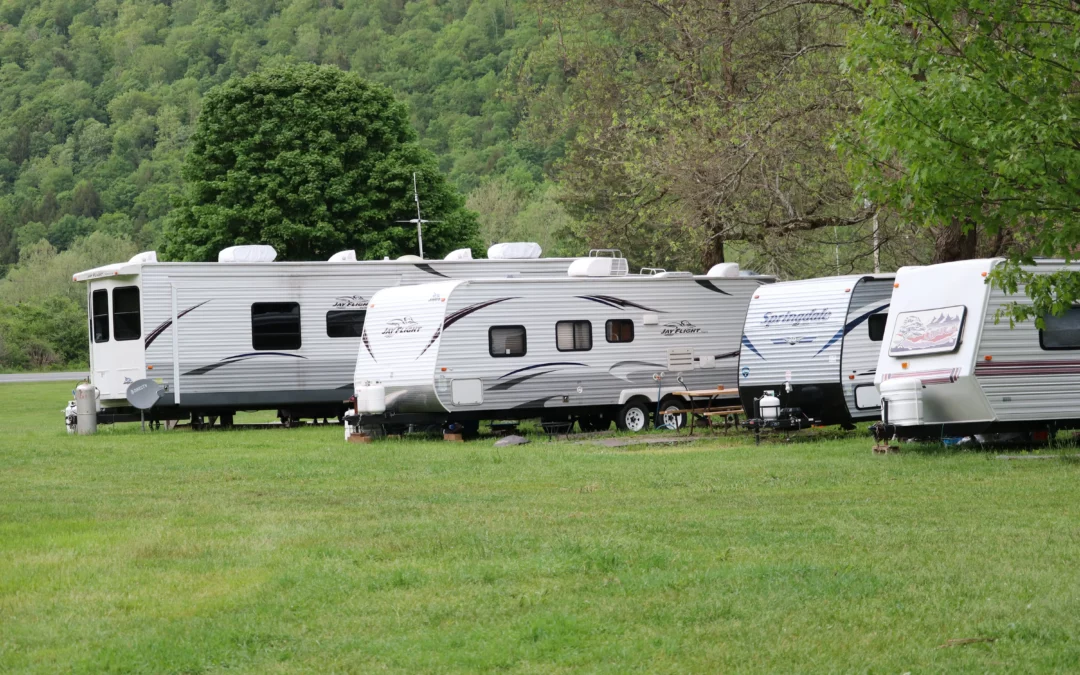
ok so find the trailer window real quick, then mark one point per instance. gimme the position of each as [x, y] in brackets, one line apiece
[275, 326]
[345, 323]
[127, 324]
[1061, 332]
[876, 323]
[573, 336]
[619, 330]
[506, 341]
[99, 302]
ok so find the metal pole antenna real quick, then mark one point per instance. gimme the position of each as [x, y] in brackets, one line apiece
[419, 221]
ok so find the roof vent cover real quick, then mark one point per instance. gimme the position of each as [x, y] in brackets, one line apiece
[723, 270]
[343, 256]
[254, 253]
[518, 250]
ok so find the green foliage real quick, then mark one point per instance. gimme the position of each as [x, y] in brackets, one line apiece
[693, 123]
[509, 212]
[970, 115]
[311, 160]
[99, 102]
[42, 313]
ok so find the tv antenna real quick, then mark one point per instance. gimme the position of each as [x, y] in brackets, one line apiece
[418, 220]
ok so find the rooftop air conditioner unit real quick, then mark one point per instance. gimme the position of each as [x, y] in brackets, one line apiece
[518, 250]
[247, 254]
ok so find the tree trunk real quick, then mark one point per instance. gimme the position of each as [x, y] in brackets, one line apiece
[954, 243]
[714, 252]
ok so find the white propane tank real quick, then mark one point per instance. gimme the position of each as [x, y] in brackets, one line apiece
[904, 398]
[86, 400]
[769, 406]
[371, 398]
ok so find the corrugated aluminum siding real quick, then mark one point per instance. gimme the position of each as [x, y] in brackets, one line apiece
[1023, 381]
[216, 353]
[860, 354]
[704, 315]
[795, 327]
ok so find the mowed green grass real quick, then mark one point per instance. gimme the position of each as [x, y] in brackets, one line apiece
[288, 550]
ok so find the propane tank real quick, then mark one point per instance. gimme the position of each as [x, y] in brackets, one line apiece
[86, 400]
[371, 398]
[769, 406]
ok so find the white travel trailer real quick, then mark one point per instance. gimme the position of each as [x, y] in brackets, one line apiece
[585, 347]
[947, 368]
[814, 345]
[247, 333]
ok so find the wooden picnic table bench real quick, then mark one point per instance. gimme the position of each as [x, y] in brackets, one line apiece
[708, 396]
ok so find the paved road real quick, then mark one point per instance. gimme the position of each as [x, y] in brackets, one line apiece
[42, 377]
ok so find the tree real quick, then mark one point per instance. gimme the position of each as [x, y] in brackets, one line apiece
[311, 160]
[695, 123]
[970, 123]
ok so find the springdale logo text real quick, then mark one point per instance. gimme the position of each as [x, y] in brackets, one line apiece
[680, 328]
[795, 318]
[402, 325]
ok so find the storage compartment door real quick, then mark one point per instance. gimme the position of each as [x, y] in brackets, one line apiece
[467, 392]
[867, 397]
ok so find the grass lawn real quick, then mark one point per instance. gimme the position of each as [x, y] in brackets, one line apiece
[283, 550]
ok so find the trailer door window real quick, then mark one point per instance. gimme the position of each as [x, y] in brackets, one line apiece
[619, 330]
[275, 326]
[876, 324]
[127, 324]
[506, 341]
[1061, 332]
[573, 336]
[345, 323]
[99, 302]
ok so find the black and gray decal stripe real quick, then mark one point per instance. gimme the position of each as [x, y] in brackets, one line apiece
[705, 283]
[618, 303]
[535, 403]
[153, 335]
[451, 319]
[430, 270]
[503, 386]
[236, 359]
[466, 311]
[542, 365]
[367, 345]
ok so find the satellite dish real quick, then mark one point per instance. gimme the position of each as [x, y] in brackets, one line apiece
[144, 394]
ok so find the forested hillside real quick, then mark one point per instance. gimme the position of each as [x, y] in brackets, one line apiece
[799, 138]
[98, 99]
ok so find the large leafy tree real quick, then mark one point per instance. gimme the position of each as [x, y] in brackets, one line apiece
[311, 160]
[695, 126]
[970, 123]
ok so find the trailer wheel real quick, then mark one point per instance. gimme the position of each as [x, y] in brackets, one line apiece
[669, 415]
[634, 416]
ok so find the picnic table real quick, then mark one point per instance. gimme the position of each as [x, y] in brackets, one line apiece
[708, 397]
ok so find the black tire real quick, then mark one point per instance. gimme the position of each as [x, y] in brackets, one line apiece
[634, 416]
[470, 428]
[594, 423]
[677, 420]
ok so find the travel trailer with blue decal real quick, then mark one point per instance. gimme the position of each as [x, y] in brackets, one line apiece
[588, 346]
[247, 333]
[950, 368]
[810, 349]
